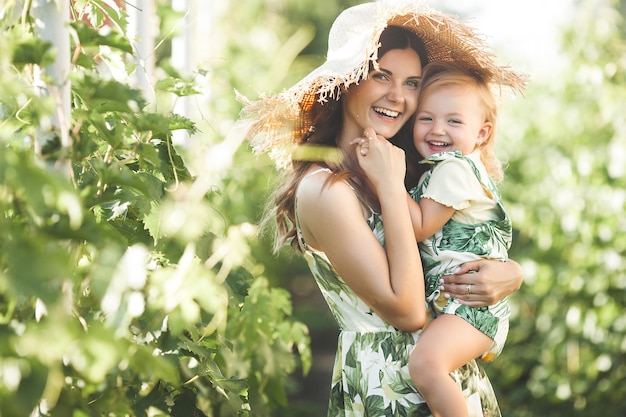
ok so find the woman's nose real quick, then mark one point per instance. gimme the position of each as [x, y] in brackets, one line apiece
[396, 93]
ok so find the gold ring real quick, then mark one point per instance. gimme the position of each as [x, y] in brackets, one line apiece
[469, 289]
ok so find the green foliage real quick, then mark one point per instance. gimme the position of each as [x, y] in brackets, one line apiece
[125, 287]
[565, 186]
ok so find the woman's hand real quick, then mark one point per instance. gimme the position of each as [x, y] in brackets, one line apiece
[382, 162]
[483, 282]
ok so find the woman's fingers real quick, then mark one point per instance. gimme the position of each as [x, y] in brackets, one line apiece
[467, 288]
[363, 143]
[382, 162]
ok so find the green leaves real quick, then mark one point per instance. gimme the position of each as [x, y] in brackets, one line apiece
[262, 336]
[567, 197]
[32, 51]
[27, 377]
[121, 279]
[91, 38]
[177, 86]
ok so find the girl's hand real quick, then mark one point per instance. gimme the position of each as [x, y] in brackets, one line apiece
[483, 282]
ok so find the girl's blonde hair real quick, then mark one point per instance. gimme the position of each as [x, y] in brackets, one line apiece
[440, 73]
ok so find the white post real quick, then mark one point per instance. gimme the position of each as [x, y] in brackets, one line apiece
[51, 19]
[181, 60]
[141, 32]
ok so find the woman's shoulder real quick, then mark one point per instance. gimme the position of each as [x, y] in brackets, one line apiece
[322, 196]
[319, 184]
[327, 206]
[315, 177]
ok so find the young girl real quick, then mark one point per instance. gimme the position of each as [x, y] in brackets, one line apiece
[459, 217]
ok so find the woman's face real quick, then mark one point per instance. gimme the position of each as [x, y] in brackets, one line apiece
[387, 98]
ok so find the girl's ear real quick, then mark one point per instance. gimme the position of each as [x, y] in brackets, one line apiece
[484, 133]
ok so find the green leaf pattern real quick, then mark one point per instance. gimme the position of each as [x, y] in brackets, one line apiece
[370, 375]
[457, 243]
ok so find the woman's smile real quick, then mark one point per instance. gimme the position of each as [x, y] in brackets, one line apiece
[387, 98]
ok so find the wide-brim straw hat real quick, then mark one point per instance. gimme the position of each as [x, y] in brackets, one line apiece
[276, 123]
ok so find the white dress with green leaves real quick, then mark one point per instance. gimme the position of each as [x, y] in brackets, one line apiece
[370, 376]
[479, 228]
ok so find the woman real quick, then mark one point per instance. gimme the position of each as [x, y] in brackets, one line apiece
[327, 209]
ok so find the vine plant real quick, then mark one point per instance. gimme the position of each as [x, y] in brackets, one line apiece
[125, 290]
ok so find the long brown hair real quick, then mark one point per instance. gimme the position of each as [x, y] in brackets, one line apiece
[323, 132]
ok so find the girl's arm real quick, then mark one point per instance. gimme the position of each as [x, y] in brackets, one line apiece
[427, 217]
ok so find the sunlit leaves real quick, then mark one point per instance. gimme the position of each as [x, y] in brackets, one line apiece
[101, 13]
[24, 379]
[102, 95]
[118, 284]
[565, 187]
[269, 338]
[177, 86]
[90, 37]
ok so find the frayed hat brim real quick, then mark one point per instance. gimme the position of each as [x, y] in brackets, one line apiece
[276, 123]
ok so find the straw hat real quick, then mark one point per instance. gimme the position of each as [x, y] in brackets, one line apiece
[276, 123]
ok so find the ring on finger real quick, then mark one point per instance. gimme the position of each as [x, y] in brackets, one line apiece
[468, 289]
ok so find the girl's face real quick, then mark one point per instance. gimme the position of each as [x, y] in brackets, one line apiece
[450, 118]
[386, 99]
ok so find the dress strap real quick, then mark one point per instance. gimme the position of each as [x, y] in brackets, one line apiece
[315, 172]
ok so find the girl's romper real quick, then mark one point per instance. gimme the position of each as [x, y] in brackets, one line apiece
[480, 228]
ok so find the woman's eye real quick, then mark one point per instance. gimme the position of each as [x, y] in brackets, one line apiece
[380, 76]
[414, 85]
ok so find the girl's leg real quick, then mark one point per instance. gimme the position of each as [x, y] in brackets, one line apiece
[447, 343]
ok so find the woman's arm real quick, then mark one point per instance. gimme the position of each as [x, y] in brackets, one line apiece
[388, 279]
[489, 281]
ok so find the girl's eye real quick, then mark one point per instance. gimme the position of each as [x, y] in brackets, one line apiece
[455, 121]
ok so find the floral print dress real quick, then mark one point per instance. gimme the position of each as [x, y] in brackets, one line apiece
[479, 228]
[370, 375]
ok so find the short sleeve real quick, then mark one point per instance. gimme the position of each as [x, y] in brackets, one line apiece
[453, 183]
